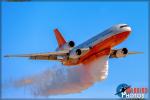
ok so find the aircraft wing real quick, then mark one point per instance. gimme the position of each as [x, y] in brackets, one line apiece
[43, 56]
[134, 52]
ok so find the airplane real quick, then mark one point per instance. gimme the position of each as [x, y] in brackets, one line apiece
[96, 47]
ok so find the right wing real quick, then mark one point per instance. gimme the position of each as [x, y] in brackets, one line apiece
[43, 56]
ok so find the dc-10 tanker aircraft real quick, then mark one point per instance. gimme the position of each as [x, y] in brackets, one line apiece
[97, 47]
[88, 61]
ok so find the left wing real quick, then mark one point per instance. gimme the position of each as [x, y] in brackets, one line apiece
[43, 56]
[134, 52]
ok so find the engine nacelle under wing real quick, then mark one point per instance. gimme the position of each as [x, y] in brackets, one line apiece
[78, 52]
[119, 53]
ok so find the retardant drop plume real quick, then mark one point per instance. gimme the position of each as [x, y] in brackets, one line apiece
[64, 80]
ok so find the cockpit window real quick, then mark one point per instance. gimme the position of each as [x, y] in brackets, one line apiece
[123, 26]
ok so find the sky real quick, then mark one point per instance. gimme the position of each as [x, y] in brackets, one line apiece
[28, 28]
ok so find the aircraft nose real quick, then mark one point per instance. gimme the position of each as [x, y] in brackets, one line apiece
[127, 28]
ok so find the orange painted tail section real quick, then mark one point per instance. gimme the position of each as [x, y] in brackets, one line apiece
[61, 41]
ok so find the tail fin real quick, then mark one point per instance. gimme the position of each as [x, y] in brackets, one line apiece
[59, 38]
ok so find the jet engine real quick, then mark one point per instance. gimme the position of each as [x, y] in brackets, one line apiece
[75, 53]
[66, 46]
[119, 53]
[78, 52]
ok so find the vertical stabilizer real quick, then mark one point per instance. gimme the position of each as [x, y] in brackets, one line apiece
[61, 41]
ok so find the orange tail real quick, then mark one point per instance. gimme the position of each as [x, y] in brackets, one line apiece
[61, 41]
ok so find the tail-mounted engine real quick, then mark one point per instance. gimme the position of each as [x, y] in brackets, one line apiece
[66, 46]
[119, 53]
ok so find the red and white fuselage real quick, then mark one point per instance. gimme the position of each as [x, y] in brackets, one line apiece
[100, 43]
[94, 48]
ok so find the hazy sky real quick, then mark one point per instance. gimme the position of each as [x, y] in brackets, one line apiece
[28, 28]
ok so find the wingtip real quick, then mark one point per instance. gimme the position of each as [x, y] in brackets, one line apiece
[139, 52]
[9, 56]
[136, 53]
[6, 56]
